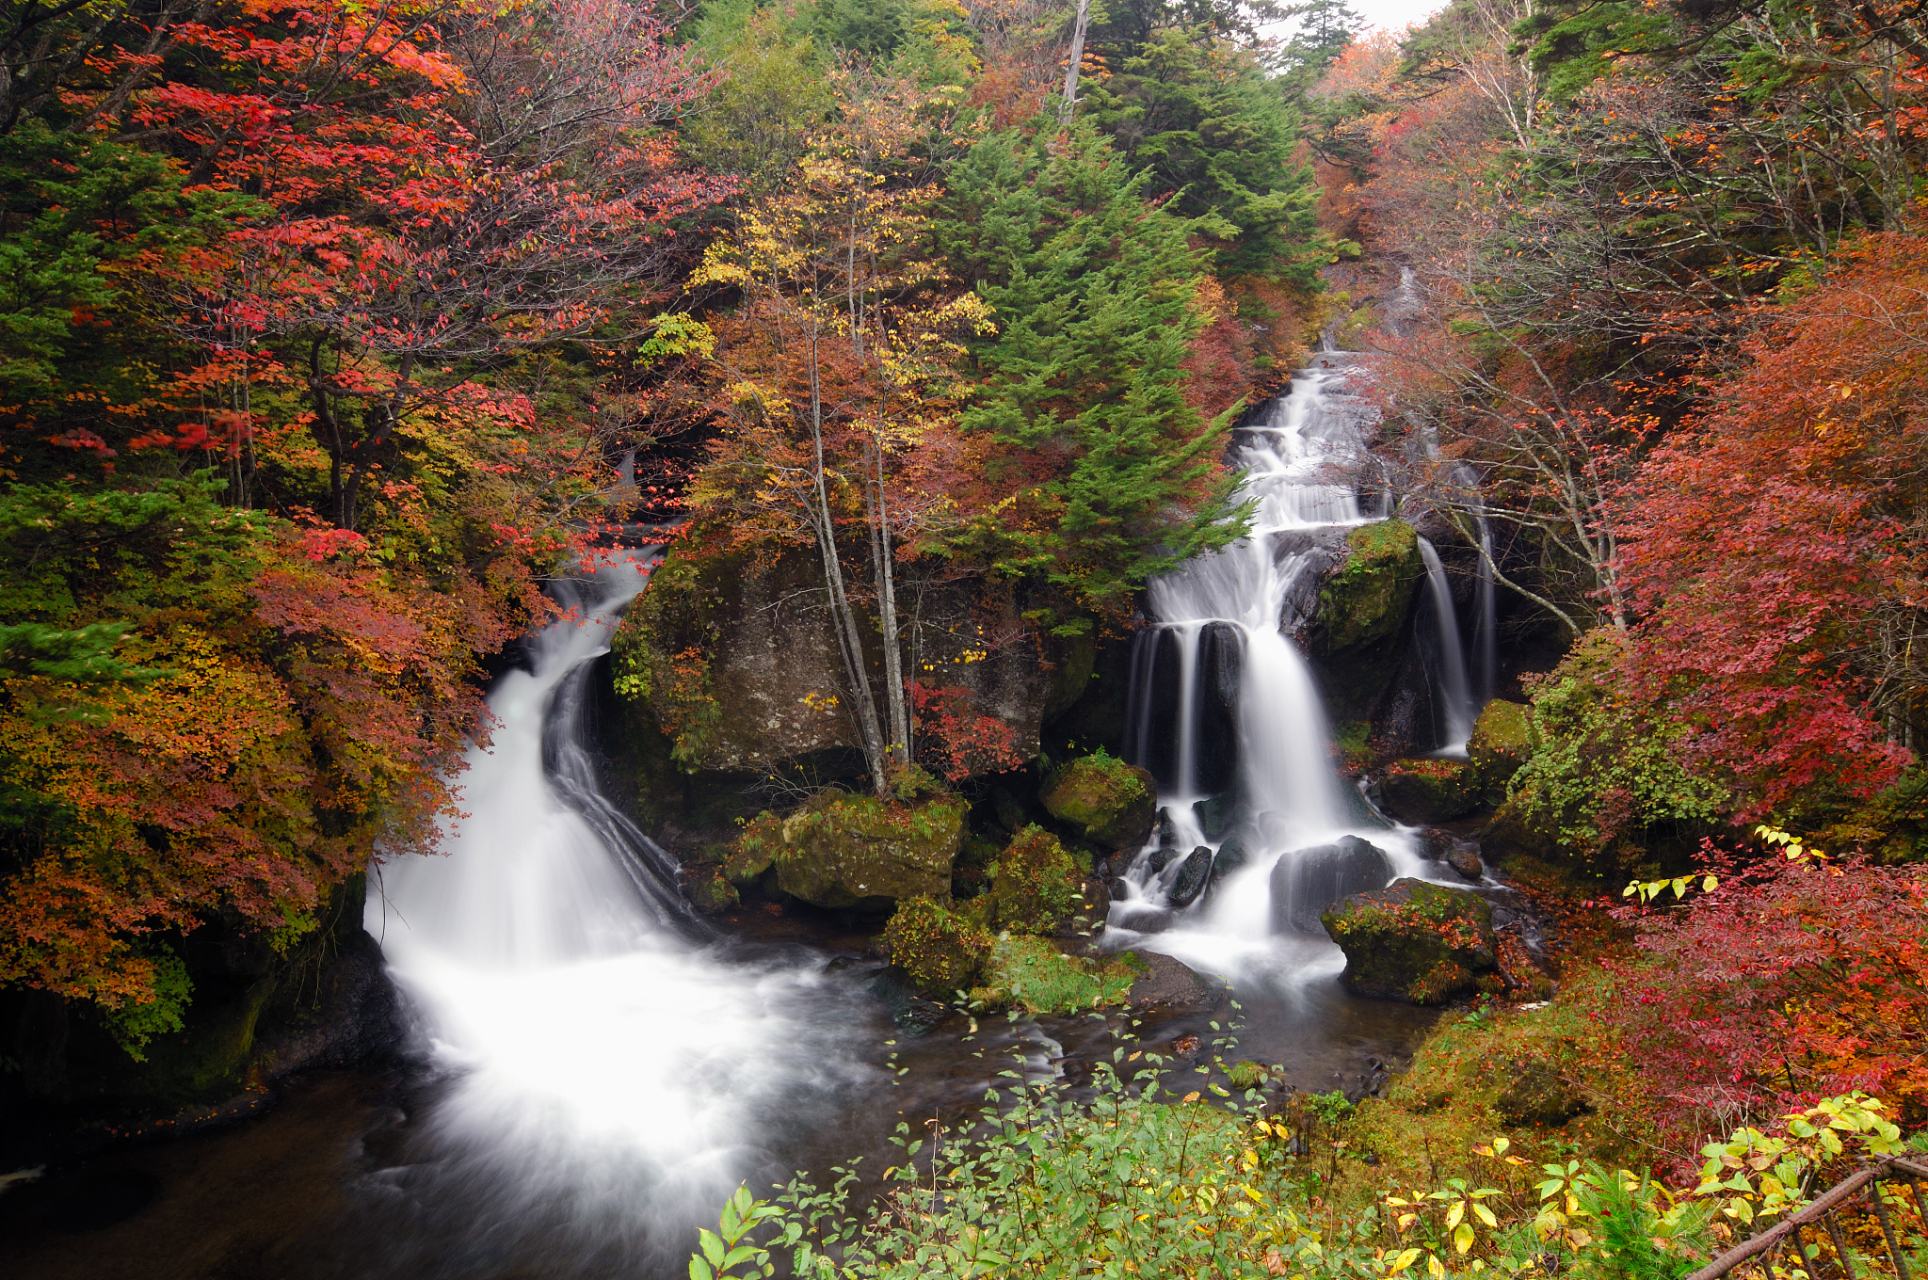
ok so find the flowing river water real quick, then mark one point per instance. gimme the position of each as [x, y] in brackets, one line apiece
[593, 1068]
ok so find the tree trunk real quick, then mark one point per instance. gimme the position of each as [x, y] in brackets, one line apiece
[849, 639]
[1077, 57]
[894, 698]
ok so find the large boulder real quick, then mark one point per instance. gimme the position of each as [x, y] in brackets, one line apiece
[843, 850]
[1413, 941]
[1193, 875]
[736, 662]
[1036, 887]
[941, 951]
[1307, 881]
[1114, 803]
[1429, 790]
[1501, 742]
[1357, 630]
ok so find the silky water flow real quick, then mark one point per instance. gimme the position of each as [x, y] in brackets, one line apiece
[606, 1072]
[1226, 714]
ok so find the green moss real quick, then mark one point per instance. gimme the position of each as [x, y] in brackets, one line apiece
[1035, 884]
[711, 893]
[1430, 790]
[1030, 973]
[659, 658]
[942, 951]
[842, 850]
[1113, 802]
[1502, 741]
[1413, 941]
[1246, 1075]
[1365, 602]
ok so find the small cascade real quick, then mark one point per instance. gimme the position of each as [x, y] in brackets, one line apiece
[1225, 713]
[1453, 690]
[608, 1072]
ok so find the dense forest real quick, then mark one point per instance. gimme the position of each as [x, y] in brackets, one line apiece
[334, 335]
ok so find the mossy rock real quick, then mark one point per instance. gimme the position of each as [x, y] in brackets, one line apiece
[1114, 803]
[1517, 831]
[1036, 886]
[1501, 742]
[941, 951]
[1365, 602]
[842, 850]
[1030, 973]
[711, 893]
[1413, 941]
[1426, 791]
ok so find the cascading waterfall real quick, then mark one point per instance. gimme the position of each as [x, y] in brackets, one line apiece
[1458, 707]
[609, 1074]
[1486, 638]
[1285, 835]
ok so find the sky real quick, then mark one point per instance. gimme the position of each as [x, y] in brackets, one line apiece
[1395, 13]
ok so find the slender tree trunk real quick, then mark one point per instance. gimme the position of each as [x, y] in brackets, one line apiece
[894, 699]
[1077, 56]
[849, 639]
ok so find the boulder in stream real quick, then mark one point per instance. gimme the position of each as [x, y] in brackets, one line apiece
[940, 951]
[1112, 802]
[1503, 738]
[1192, 877]
[1214, 814]
[843, 850]
[1036, 887]
[1414, 941]
[1307, 881]
[1430, 790]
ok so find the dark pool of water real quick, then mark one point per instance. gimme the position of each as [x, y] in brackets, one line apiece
[340, 1180]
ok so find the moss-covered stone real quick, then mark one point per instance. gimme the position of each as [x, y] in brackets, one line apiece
[1413, 941]
[1114, 803]
[941, 951]
[1035, 884]
[1501, 742]
[1426, 790]
[1365, 601]
[842, 850]
[710, 893]
[1030, 973]
[1518, 831]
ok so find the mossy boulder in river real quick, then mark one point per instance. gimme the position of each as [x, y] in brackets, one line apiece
[1357, 630]
[1501, 742]
[1413, 941]
[1037, 887]
[1113, 802]
[843, 850]
[941, 950]
[1428, 790]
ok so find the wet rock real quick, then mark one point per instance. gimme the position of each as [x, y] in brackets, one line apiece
[1501, 742]
[1232, 856]
[1539, 1096]
[1114, 803]
[910, 1011]
[939, 951]
[1356, 633]
[1192, 877]
[1214, 814]
[1168, 985]
[1307, 881]
[1413, 941]
[1097, 905]
[841, 850]
[1161, 857]
[1427, 790]
[1463, 857]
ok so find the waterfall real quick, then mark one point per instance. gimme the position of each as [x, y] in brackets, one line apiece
[608, 1073]
[1457, 709]
[1287, 836]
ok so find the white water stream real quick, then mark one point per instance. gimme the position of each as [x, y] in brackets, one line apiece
[609, 1075]
[1218, 663]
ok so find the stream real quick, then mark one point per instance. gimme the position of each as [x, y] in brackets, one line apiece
[594, 1068]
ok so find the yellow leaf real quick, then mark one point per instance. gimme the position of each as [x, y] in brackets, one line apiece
[1405, 1259]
